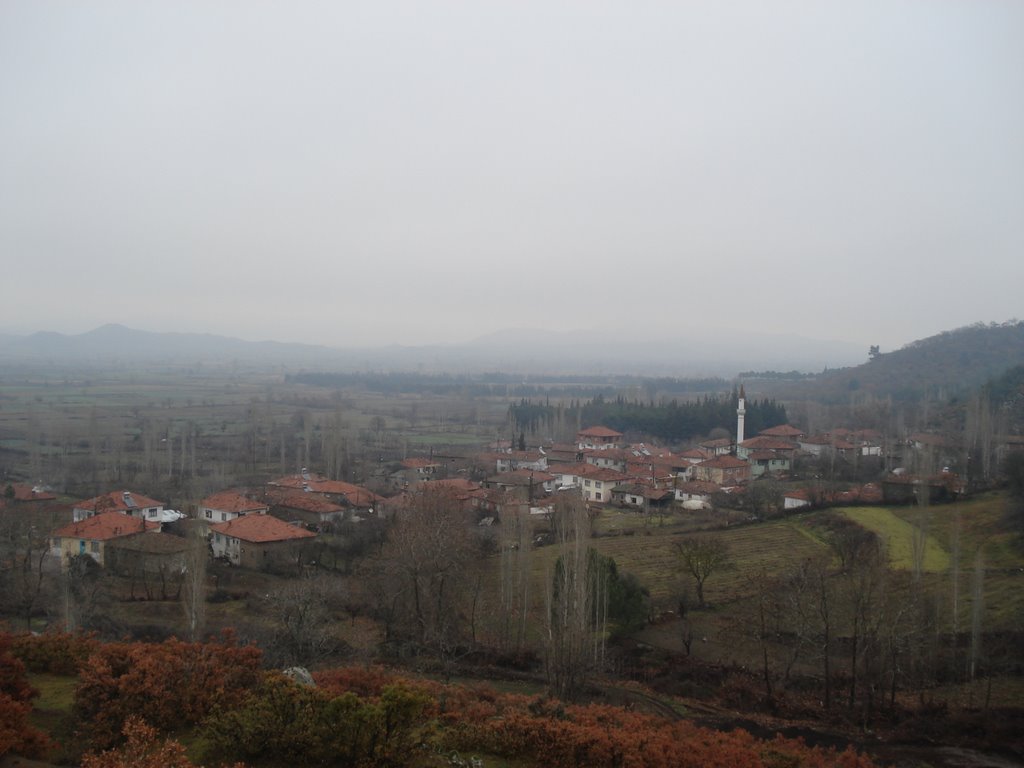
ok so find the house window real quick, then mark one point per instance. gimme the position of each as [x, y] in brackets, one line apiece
[94, 546]
[209, 514]
[597, 483]
[223, 516]
[216, 537]
[151, 512]
[587, 483]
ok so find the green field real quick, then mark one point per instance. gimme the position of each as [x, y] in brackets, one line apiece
[897, 534]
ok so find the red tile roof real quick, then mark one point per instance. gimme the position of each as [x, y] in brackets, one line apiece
[355, 495]
[699, 487]
[769, 443]
[26, 492]
[104, 526]
[417, 462]
[306, 502]
[722, 442]
[782, 430]
[261, 529]
[232, 501]
[599, 431]
[697, 454]
[723, 462]
[117, 501]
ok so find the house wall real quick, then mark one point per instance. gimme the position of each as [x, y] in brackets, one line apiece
[65, 547]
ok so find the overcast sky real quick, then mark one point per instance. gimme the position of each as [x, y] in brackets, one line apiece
[354, 173]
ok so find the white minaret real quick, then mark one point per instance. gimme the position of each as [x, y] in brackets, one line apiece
[741, 411]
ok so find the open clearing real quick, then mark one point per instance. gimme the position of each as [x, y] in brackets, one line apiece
[899, 535]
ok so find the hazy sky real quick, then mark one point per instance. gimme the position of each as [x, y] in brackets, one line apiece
[355, 173]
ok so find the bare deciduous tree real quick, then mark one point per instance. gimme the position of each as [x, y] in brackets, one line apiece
[569, 601]
[700, 557]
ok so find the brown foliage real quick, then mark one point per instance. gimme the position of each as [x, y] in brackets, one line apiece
[16, 734]
[170, 684]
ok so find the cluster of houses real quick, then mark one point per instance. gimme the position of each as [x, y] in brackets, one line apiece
[250, 528]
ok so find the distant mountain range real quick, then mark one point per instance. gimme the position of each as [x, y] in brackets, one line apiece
[691, 353]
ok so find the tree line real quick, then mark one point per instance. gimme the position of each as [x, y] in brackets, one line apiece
[671, 420]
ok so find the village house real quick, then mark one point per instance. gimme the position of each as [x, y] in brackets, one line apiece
[525, 483]
[563, 453]
[91, 535]
[608, 458]
[696, 494]
[642, 496]
[227, 505]
[516, 460]
[468, 494]
[719, 447]
[785, 448]
[299, 507]
[420, 466]
[257, 541]
[767, 462]
[723, 470]
[124, 502]
[782, 431]
[360, 500]
[598, 437]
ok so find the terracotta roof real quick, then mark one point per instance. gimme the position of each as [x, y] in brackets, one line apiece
[591, 472]
[816, 440]
[699, 487]
[232, 501]
[355, 495]
[599, 431]
[766, 456]
[26, 492]
[769, 443]
[605, 475]
[104, 526]
[458, 484]
[697, 454]
[417, 462]
[620, 454]
[261, 529]
[306, 502]
[118, 501]
[722, 442]
[782, 430]
[723, 462]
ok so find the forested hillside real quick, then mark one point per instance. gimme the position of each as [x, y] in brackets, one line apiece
[950, 363]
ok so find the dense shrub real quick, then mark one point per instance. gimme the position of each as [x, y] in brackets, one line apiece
[282, 723]
[170, 684]
[59, 653]
[16, 734]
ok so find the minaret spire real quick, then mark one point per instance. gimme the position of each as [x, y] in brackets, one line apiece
[741, 411]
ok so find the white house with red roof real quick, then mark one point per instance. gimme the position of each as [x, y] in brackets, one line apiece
[254, 541]
[90, 535]
[124, 502]
[598, 437]
[227, 505]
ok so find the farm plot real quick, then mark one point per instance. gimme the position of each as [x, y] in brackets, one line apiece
[898, 536]
[754, 549]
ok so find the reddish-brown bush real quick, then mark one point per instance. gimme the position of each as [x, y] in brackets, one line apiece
[169, 685]
[16, 734]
